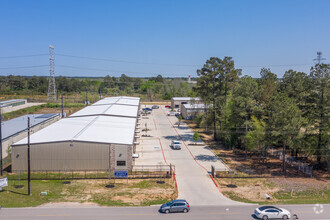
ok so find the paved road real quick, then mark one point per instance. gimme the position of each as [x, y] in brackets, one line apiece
[194, 182]
[151, 213]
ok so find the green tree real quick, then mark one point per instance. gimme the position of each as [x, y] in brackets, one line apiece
[255, 138]
[216, 79]
[244, 106]
[296, 85]
[16, 82]
[320, 108]
[147, 88]
[267, 88]
[180, 120]
[196, 137]
[285, 122]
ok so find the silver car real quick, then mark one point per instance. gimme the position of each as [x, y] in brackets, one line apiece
[178, 205]
[271, 212]
[176, 145]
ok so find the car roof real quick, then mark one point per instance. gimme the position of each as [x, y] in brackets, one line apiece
[179, 200]
[262, 208]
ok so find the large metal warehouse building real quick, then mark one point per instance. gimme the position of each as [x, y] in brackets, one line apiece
[98, 137]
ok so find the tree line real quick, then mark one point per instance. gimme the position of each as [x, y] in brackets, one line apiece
[152, 88]
[254, 114]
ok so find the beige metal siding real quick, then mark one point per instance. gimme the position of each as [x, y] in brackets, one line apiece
[184, 112]
[62, 156]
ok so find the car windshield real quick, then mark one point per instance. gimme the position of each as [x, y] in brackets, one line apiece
[175, 142]
[169, 203]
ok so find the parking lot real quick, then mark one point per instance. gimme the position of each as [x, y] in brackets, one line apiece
[192, 162]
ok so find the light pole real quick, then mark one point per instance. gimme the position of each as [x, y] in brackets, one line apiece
[1, 172]
[62, 106]
[28, 156]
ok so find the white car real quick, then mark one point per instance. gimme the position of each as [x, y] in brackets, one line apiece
[171, 114]
[176, 145]
[271, 212]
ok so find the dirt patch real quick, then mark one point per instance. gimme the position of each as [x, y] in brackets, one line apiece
[68, 204]
[281, 189]
[131, 192]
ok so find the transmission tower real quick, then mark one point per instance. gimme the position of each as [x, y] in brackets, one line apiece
[52, 85]
[319, 57]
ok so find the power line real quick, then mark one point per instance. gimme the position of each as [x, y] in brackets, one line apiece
[169, 64]
[22, 67]
[24, 56]
[275, 65]
[126, 61]
[97, 69]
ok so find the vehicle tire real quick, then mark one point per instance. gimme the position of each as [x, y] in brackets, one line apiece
[185, 210]
[285, 217]
[265, 217]
[167, 211]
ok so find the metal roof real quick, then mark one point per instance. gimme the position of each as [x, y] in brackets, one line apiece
[8, 102]
[19, 124]
[186, 98]
[109, 110]
[195, 106]
[121, 100]
[97, 129]
[11, 101]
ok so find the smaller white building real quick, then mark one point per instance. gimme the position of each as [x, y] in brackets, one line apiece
[8, 105]
[176, 102]
[189, 111]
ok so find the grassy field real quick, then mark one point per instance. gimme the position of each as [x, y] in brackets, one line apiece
[282, 190]
[124, 193]
[69, 108]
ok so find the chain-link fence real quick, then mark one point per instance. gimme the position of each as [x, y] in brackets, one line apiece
[303, 167]
[138, 172]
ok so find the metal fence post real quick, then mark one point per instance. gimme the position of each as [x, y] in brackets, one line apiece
[170, 169]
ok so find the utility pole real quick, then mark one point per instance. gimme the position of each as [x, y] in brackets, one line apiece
[319, 57]
[28, 156]
[100, 93]
[214, 123]
[51, 85]
[62, 106]
[86, 102]
[1, 172]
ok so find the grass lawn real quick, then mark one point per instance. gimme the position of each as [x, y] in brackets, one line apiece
[282, 190]
[69, 108]
[124, 193]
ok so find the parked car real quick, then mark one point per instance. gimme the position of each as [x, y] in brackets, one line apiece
[171, 114]
[178, 205]
[176, 145]
[155, 107]
[271, 212]
[167, 106]
[146, 109]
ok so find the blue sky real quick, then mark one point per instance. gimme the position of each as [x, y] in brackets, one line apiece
[180, 35]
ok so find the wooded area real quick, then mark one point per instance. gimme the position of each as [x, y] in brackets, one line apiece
[255, 114]
[150, 89]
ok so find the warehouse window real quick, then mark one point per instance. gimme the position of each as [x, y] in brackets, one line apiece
[121, 163]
